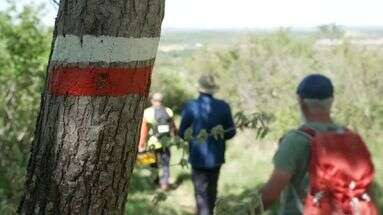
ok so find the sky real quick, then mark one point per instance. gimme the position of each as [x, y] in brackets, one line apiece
[227, 14]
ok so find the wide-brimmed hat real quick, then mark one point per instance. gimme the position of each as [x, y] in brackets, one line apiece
[206, 84]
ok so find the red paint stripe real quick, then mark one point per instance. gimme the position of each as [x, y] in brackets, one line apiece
[100, 81]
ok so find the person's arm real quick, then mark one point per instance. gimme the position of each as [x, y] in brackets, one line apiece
[279, 179]
[228, 125]
[143, 136]
[173, 128]
[186, 121]
[292, 151]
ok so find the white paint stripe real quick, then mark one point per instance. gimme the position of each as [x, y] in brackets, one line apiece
[107, 49]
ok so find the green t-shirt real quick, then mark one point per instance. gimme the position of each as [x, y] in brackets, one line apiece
[293, 156]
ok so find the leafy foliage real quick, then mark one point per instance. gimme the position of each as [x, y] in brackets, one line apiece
[172, 85]
[242, 121]
[24, 47]
[261, 72]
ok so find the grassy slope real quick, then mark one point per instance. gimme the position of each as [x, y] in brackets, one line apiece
[248, 165]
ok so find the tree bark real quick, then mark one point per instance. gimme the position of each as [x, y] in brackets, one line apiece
[97, 83]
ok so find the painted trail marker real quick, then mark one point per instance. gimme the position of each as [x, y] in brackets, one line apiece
[91, 79]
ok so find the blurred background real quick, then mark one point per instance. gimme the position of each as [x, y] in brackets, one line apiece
[258, 50]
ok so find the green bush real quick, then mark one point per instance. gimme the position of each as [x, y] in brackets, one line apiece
[173, 86]
[24, 49]
[261, 73]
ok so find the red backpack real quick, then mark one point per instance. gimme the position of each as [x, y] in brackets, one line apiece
[340, 172]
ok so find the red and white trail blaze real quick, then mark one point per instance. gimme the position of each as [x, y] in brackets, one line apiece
[94, 80]
[99, 81]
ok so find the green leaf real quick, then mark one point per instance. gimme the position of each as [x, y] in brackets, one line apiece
[264, 132]
[184, 163]
[189, 134]
[202, 136]
[218, 132]
[159, 197]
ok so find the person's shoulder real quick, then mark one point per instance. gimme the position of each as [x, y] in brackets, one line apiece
[188, 106]
[323, 127]
[222, 102]
[190, 103]
[169, 111]
[292, 150]
[148, 112]
[295, 137]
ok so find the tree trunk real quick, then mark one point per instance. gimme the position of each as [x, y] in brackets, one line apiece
[97, 84]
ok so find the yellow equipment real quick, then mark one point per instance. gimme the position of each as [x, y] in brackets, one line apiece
[146, 158]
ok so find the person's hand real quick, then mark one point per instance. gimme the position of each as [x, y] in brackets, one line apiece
[141, 149]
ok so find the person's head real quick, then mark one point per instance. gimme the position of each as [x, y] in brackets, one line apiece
[315, 97]
[156, 99]
[207, 85]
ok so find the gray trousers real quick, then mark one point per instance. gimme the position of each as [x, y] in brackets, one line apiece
[205, 183]
[163, 162]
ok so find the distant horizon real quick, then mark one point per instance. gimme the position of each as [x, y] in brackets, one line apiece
[272, 28]
[254, 15]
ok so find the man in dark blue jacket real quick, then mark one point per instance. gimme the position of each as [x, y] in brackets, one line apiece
[206, 158]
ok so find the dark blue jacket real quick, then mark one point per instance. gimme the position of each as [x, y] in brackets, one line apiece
[206, 113]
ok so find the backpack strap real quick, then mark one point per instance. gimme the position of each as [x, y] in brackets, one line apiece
[310, 134]
[298, 200]
[307, 132]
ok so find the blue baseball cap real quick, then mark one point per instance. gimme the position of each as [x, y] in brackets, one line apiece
[315, 86]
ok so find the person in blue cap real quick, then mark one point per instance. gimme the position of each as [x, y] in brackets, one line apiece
[289, 179]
